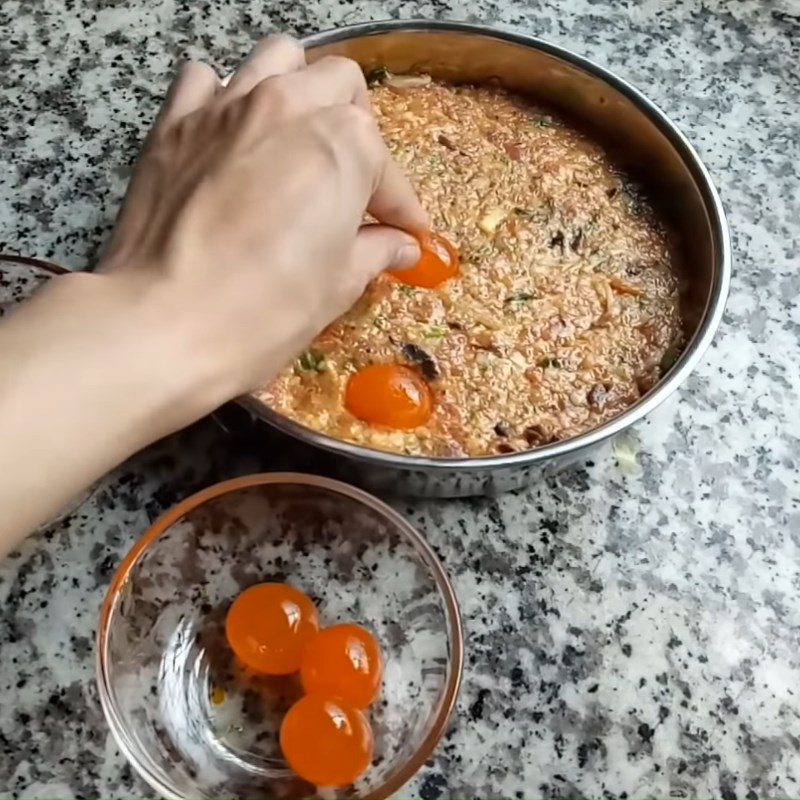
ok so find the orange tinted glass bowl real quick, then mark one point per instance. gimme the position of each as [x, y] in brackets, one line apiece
[191, 719]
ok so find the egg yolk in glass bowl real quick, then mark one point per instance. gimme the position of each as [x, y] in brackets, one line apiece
[326, 741]
[268, 627]
[273, 629]
[343, 661]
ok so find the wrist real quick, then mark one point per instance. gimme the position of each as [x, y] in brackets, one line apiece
[91, 370]
[170, 349]
[126, 336]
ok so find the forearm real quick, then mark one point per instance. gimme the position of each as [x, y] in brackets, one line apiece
[239, 239]
[89, 374]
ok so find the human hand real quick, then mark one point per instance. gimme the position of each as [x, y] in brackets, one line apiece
[240, 238]
[243, 219]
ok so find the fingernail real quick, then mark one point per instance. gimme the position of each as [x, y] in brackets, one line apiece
[406, 256]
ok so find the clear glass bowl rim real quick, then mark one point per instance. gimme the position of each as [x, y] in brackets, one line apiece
[426, 747]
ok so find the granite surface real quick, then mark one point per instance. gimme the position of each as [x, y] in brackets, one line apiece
[630, 632]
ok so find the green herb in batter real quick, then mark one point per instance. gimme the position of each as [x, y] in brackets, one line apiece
[543, 122]
[548, 362]
[434, 332]
[537, 213]
[519, 297]
[407, 290]
[628, 199]
[631, 197]
[312, 361]
[435, 161]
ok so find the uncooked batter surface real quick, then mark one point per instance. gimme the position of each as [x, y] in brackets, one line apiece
[566, 308]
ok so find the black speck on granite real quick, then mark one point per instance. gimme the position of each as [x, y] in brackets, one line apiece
[628, 633]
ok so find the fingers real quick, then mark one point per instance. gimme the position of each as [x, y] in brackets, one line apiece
[195, 85]
[379, 247]
[331, 81]
[387, 193]
[276, 55]
[394, 201]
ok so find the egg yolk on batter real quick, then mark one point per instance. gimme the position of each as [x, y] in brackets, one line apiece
[438, 263]
[389, 394]
[268, 627]
[326, 741]
[343, 661]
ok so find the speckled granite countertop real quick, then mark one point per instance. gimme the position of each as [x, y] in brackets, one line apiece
[628, 634]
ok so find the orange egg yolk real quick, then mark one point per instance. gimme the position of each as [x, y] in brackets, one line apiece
[343, 661]
[326, 741]
[392, 395]
[268, 627]
[438, 263]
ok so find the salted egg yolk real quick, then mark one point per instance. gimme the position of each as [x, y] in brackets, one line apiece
[392, 395]
[268, 627]
[343, 661]
[438, 262]
[326, 741]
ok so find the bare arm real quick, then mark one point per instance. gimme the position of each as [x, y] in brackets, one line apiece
[240, 238]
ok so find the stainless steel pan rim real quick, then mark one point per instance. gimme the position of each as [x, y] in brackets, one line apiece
[697, 346]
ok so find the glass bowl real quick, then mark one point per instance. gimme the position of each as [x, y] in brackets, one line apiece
[20, 277]
[196, 724]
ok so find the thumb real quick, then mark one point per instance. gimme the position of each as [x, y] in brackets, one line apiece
[381, 247]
